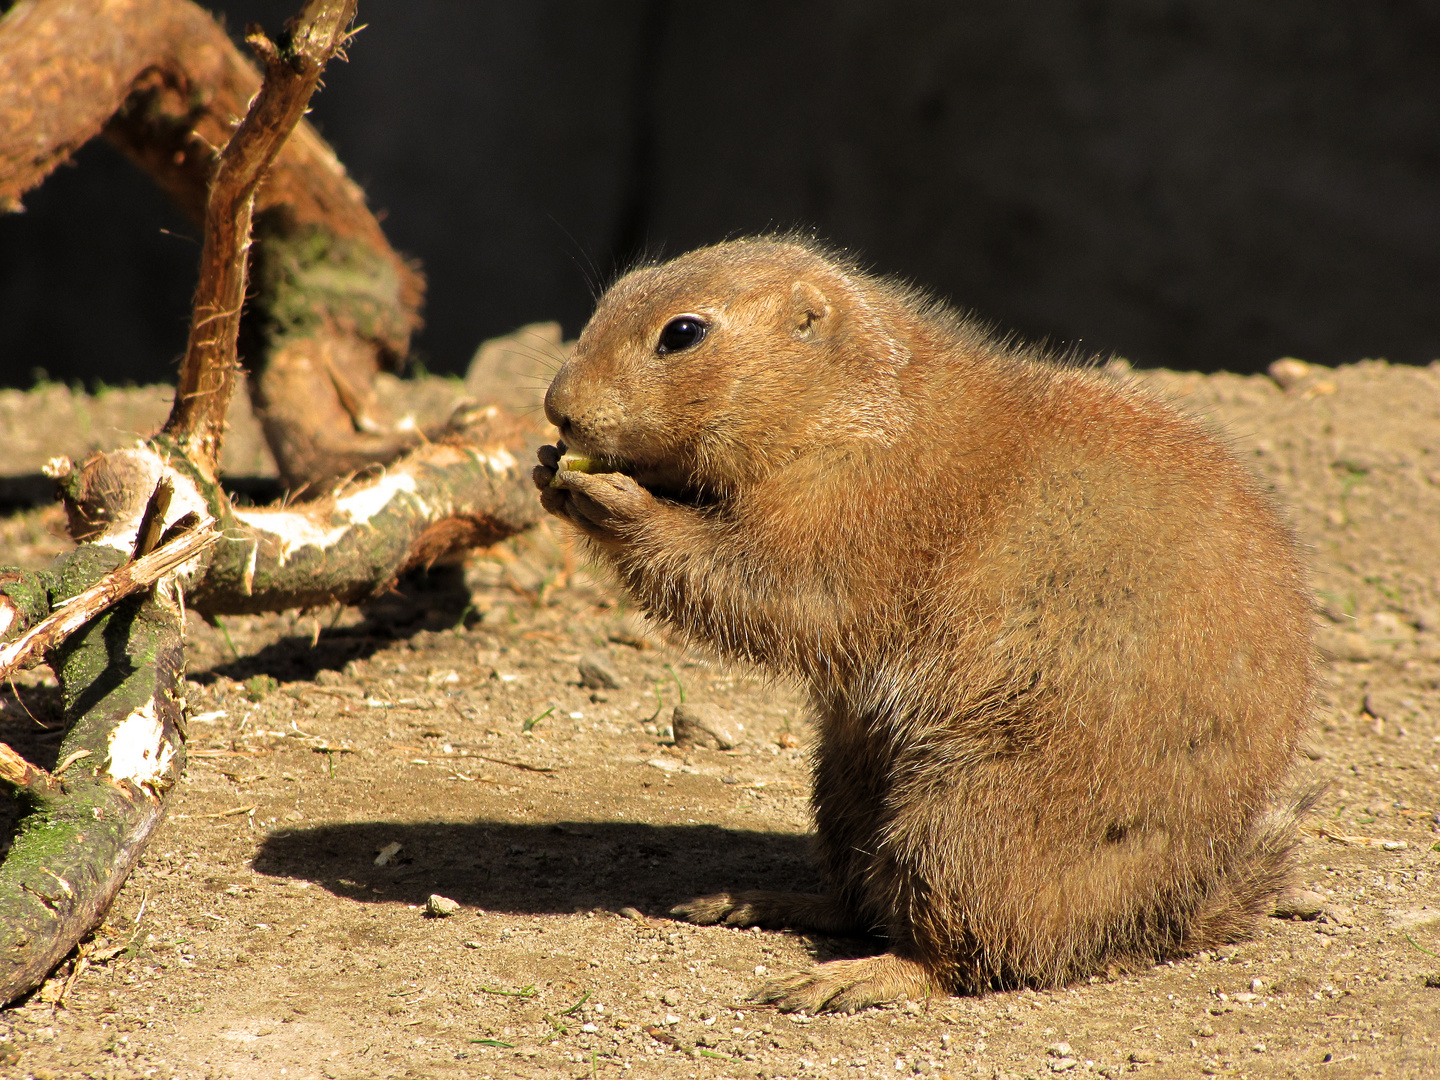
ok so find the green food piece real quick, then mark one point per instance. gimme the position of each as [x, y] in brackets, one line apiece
[576, 463]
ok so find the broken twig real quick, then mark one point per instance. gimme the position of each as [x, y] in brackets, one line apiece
[128, 579]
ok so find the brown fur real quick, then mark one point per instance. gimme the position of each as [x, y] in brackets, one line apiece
[1056, 637]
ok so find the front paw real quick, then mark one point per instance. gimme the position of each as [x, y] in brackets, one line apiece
[549, 458]
[848, 985]
[604, 506]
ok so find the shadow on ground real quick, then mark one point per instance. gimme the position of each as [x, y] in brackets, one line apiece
[540, 869]
[423, 600]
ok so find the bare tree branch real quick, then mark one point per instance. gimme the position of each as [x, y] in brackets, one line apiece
[207, 374]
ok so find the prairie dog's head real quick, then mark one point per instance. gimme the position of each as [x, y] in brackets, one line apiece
[707, 372]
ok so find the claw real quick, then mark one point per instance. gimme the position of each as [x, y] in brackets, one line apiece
[703, 910]
[848, 985]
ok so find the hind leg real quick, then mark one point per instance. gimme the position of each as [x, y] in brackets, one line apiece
[849, 985]
[814, 912]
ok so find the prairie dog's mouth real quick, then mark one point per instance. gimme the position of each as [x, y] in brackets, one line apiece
[575, 460]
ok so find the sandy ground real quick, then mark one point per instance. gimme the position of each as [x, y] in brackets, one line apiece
[445, 729]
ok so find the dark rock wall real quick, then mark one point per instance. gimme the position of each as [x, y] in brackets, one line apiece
[1200, 184]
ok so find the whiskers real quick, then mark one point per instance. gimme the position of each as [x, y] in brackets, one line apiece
[516, 370]
[594, 280]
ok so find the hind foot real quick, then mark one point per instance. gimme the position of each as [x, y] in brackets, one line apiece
[814, 912]
[848, 985]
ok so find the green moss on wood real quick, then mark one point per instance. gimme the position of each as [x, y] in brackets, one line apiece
[29, 591]
[77, 570]
[308, 280]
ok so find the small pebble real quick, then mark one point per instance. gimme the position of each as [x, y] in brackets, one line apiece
[1299, 904]
[705, 725]
[597, 672]
[1288, 372]
[440, 907]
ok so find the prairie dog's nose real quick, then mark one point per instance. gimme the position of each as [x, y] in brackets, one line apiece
[557, 400]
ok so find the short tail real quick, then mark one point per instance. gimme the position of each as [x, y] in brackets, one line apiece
[1262, 870]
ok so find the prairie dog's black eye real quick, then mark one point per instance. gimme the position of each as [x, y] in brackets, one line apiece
[681, 333]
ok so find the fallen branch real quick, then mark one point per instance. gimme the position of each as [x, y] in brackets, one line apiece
[122, 674]
[441, 499]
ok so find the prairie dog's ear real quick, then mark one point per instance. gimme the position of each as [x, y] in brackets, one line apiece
[809, 311]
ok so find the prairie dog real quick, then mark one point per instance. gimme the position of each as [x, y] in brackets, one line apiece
[1056, 637]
